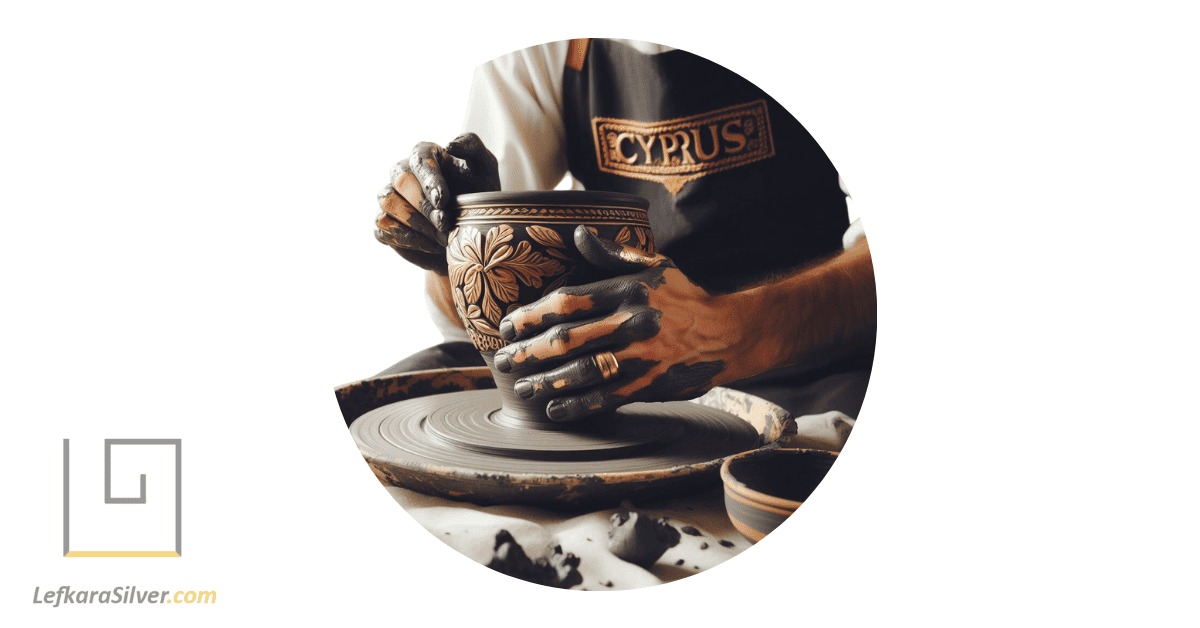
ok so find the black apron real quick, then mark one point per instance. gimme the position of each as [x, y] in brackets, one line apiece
[739, 191]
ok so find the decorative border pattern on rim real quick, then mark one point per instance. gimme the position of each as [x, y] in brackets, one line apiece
[554, 213]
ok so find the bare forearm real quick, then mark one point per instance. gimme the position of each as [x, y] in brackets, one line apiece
[437, 286]
[671, 339]
[814, 317]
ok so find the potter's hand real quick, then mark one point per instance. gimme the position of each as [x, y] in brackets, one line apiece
[418, 204]
[670, 337]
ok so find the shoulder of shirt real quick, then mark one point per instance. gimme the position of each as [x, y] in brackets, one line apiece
[645, 47]
[554, 54]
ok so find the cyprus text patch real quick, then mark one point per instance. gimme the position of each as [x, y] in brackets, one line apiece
[674, 152]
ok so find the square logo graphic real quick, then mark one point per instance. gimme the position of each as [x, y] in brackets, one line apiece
[129, 504]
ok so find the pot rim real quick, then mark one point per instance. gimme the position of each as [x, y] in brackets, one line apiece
[738, 487]
[554, 197]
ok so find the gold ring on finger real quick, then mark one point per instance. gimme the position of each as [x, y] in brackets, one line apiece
[607, 362]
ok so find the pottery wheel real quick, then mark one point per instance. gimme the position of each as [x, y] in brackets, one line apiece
[460, 443]
[466, 429]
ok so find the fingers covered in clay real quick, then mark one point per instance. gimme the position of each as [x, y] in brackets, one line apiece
[408, 204]
[410, 245]
[418, 202]
[572, 304]
[670, 338]
[402, 217]
[582, 373]
[639, 380]
[614, 256]
[595, 401]
[640, 273]
[568, 341]
[403, 227]
[465, 165]
[425, 167]
[472, 167]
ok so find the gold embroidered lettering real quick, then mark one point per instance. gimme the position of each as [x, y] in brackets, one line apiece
[684, 142]
[669, 145]
[621, 153]
[716, 143]
[647, 145]
[736, 136]
[729, 136]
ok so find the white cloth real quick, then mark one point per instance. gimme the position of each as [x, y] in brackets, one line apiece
[710, 541]
[471, 530]
[516, 108]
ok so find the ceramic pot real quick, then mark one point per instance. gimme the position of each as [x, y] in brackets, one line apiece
[512, 248]
[763, 487]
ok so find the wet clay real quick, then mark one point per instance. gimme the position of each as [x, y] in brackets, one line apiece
[557, 570]
[636, 538]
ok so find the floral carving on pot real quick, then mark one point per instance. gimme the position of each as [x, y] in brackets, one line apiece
[486, 270]
[555, 247]
[638, 237]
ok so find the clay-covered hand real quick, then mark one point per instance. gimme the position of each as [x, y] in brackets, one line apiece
[670, 338]
[418, 204]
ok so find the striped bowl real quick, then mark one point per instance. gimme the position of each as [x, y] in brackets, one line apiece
[763, 487]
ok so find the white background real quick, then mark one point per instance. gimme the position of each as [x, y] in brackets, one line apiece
[188, 197]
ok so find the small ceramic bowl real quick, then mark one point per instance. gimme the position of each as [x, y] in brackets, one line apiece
[763, 487]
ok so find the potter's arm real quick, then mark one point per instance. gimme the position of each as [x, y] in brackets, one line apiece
[816, 316]
[673, 340]
[515, 109]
